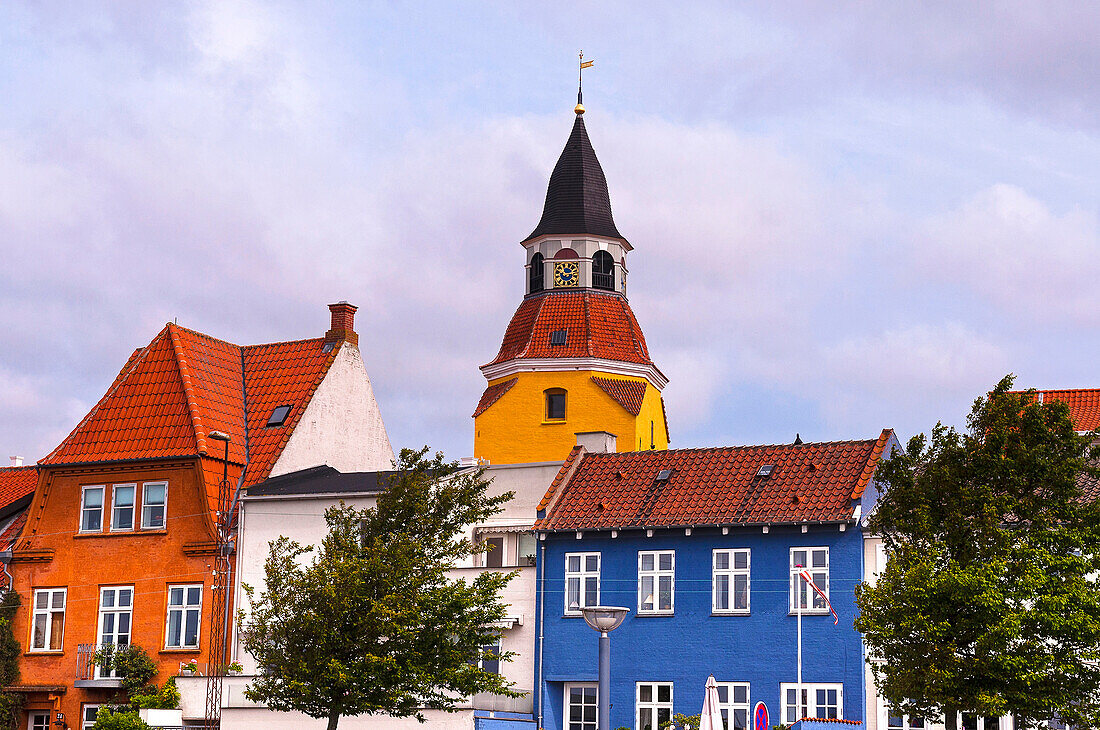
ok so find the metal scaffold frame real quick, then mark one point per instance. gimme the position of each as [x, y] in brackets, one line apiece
[220, 590]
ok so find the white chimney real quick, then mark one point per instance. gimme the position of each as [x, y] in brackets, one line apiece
[597, 442]
[16, 460]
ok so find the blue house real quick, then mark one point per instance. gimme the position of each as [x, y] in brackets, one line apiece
[704, 547]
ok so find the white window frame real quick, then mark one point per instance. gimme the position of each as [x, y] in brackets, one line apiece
[183, 609]
[48, 612]
[799, 586]
[731, 573]
[656, 573]
[84, 724]
[729, 706]
[906, 722]
[102, 505]
[581, 576]
[809, 689]
[583, 724]
[654, 704]
[981, 725]
[31, 725]
[116, 611]
[164, 505]
[115, 507]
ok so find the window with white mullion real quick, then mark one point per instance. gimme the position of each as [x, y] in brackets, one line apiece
[184, 612]
[91, 509]
[581, 706]
[88, 716]
[48, 622]
[116, 607]
[815, 560]
[154, 502]
[730, 581]
[653, 705]
[822, 700]
[893, 720]
[122, 506]
[733, 701]
[582, 581]
[656, 581]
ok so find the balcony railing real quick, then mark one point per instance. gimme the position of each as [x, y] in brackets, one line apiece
[87, 674]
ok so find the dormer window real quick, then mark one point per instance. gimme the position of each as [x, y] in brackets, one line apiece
[603, 271]
[534, 277]
[278, 416]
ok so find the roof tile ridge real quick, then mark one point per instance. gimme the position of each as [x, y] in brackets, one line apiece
[282, 342]
[561, 479]
[296, 413]
[872, 462]
[188, 389]
[121, 378]
[634, 327]
[531, 336]
[203, 334]
[1055, 390]
[587, 326]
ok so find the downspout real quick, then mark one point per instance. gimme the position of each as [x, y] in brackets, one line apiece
[542, 621]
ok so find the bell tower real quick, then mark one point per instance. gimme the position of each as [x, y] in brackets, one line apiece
[573, 359]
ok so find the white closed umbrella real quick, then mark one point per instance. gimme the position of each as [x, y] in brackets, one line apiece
[711, 716]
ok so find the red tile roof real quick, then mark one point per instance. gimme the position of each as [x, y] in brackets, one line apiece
[16, 482]
[598, 324]
[492, 394]
[184, 385]
[627, 393]
[1084, 405]
[11, 532]
[809, 483]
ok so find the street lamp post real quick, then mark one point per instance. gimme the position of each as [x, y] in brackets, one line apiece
[604, 619]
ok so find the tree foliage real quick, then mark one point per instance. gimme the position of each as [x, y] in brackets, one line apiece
[11, 703]
[116, 718]
[373, 623]
[986, 603]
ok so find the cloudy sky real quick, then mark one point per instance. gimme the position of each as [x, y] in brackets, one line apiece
[845, 216]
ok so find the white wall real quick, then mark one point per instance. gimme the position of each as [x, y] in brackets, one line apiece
[341, 426]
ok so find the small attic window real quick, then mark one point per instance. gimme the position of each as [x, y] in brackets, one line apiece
[327, 347]
[765, 471]
[278, 416]
[664, 475]
[558, 337]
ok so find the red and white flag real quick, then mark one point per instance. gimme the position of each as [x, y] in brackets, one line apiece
[809, 579]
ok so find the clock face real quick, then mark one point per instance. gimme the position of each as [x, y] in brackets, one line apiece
[567, 273]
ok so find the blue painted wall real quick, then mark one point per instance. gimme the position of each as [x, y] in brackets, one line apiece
[683, 649]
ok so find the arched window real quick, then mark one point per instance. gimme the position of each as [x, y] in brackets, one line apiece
[555, 404]
[603, 271]
[534, 277]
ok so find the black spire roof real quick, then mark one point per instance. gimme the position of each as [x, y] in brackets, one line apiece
[576, 198]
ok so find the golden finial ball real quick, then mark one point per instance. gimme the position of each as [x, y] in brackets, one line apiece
[578, 109]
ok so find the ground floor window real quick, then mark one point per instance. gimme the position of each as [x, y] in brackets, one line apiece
[580, 707]
[733, 700]
[896, 721]
[88, 713]
[653, 708]
[824, 700]
[38, 721]
[490, 658]
[973, 721]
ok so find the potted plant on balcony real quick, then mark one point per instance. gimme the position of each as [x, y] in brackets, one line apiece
[234, 670]
[189, 669]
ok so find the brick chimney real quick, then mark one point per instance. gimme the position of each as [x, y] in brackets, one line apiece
[343, 323]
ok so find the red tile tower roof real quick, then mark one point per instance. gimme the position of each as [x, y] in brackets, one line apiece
[598, 324]
[812, 482]
[492, 394]
[182, 386]
[627, 393]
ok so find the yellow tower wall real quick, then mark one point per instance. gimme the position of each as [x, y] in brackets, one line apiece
[514, 430]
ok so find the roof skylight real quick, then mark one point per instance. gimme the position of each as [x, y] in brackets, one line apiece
[558, 337]
[278, 416]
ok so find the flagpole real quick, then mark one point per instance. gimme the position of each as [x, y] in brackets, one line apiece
[798, 695]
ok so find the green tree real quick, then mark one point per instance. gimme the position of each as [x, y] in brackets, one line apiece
[986, 603]
[373, 623]
[11, 703]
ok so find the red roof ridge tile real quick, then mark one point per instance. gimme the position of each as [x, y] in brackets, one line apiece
[190, 331]
[188, 390]
[741, 447]
[283, 343]
[1055, 390]
[492, 394]
[872, 462]
[568, 467]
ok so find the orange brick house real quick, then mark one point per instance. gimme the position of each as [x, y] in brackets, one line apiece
[119, 542]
